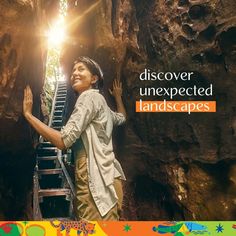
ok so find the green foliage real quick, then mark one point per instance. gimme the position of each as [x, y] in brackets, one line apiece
[63, 7]
[52, 67]
[52, 74]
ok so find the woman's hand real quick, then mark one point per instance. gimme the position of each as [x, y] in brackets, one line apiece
[27, 102]
[116, 91]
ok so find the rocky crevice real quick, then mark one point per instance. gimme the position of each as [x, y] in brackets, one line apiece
[178, 166]
[22, 62]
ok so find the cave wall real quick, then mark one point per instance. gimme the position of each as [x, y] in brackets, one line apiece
[178, 166]
[22, 61]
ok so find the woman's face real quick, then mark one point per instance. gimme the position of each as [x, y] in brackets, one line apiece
[81, 78]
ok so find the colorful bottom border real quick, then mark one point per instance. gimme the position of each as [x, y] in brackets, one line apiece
[120, 228]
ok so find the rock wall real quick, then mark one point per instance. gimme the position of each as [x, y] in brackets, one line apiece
[178, 166]
[22, 61]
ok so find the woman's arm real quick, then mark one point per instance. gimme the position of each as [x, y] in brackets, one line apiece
[116, 92]
[52, 135]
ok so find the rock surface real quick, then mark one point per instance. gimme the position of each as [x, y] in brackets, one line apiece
[178, 166]
[22, 61]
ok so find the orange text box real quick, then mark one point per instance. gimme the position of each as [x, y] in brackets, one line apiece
[175, 106]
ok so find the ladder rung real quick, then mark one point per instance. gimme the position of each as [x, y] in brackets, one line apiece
[58, 109]
[57, 127]
[61, 90]
[49, 171]
[56, 123]
[46, 144]
[61, 94]
[57, 120]
[58, 112]
[60, 103]
[57, 117]
[61, 99]
[47, 158]
[48, 149]
[54, 192]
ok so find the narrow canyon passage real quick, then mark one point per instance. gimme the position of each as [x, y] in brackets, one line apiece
[178, 166]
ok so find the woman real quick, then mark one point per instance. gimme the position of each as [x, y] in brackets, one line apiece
[89, 133]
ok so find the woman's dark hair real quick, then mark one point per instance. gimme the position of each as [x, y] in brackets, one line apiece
[94, 68]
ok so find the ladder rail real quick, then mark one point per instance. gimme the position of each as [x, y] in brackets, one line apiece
[59, 155]
[37, 214]
[53, 104]
[47, 152]
[52, 109]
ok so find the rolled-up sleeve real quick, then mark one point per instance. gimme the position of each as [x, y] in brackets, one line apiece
[82, 115]
[117, 118]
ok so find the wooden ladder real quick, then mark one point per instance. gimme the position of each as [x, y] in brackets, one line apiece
[53, 187]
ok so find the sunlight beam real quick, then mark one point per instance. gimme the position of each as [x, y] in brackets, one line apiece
[56, 33]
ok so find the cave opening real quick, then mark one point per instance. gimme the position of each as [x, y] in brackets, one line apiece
[56, 36]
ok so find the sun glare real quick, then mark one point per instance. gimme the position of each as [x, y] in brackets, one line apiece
[56, 33]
